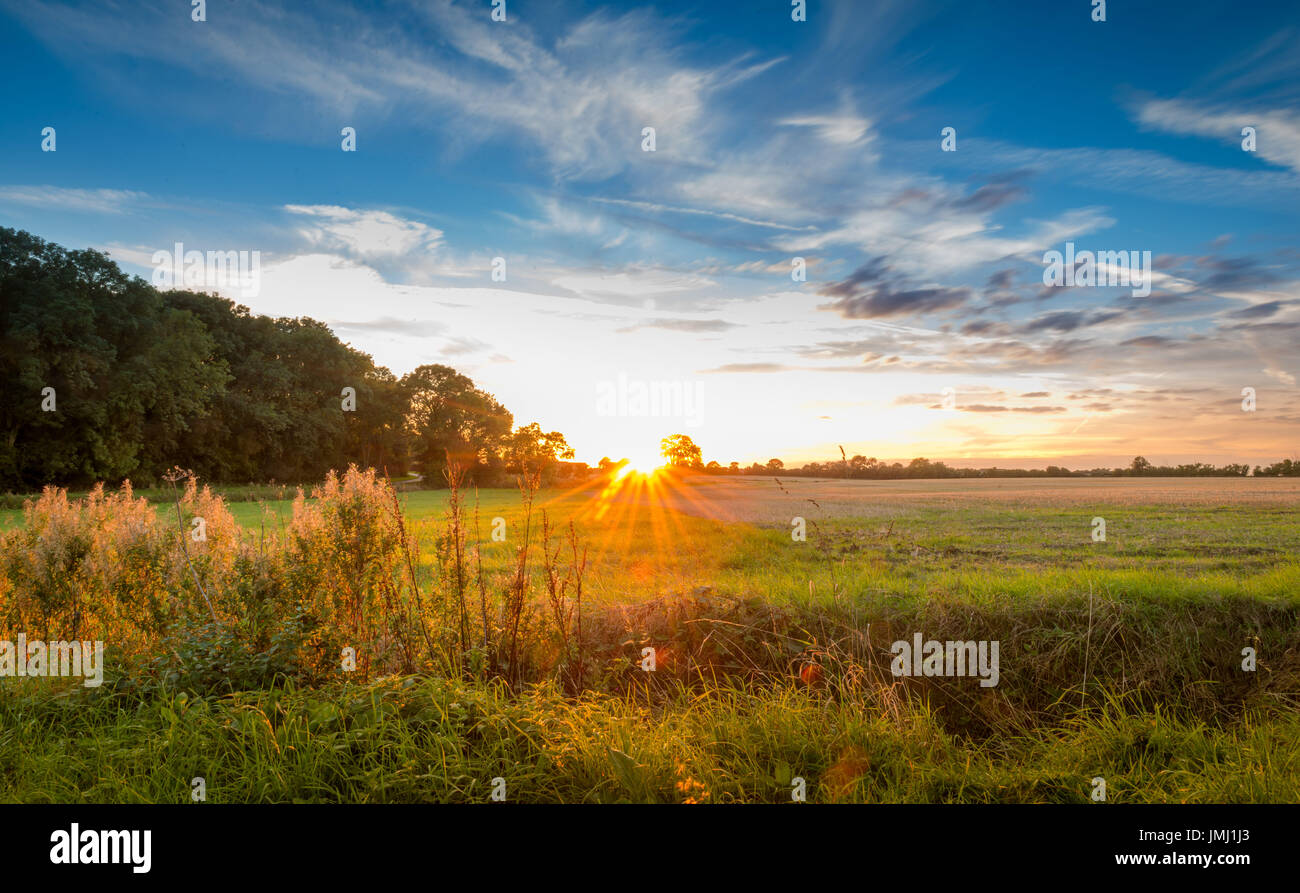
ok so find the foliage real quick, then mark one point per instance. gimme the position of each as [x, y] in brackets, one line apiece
[450, 420]
[681, 451]
[480, 659]
[145, 379]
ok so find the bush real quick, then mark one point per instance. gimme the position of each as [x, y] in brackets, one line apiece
[229, 609]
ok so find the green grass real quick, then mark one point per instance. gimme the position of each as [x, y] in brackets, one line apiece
[1120, 659]
[419, 739]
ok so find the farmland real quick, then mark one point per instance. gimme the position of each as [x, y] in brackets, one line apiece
[1120, 658]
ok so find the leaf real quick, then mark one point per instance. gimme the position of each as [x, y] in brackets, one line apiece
[322, 714]
[625, 768]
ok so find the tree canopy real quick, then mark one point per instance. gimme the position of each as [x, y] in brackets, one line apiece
[681, 451]
[112, 378]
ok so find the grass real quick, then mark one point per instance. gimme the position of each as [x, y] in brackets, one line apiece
[421, 739]
[1120, 659]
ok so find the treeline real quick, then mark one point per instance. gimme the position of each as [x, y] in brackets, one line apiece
[109, 378]
[862, 467]
[924, 468]
[680, 451]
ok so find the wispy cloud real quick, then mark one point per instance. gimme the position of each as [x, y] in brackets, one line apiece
[1277, 136]
[90, 201]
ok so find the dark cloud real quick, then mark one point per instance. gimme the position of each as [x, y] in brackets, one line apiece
[1004, 299]
[1233, 273]
[1148, 341]
[1153, 300]
[1036, 394]
[1062, 321]
[1167, 262]
[1069, 320]
[1001, 280]
[872, 293]
[1265, 327]
[874, 270]
[990, 197]
[1051, 291]
[1257, 311]
[985, 327]
[999, 290]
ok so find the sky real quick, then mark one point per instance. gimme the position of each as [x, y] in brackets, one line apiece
[923, 323]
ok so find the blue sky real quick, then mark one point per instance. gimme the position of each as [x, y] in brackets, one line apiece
[775, 139]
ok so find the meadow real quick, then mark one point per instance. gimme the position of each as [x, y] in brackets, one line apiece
[522, 657]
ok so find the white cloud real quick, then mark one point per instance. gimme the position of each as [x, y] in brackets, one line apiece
[927, 235]
[94, 201]
[1277, 131]
[364, 234]
[844, 130]
[581, 100]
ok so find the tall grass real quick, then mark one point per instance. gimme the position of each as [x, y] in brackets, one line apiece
[344, 576]
[428, 739]
[229, 649]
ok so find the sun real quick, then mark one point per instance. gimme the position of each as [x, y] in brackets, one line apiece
[642, 462]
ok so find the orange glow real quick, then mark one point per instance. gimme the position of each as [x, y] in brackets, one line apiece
[643, 463]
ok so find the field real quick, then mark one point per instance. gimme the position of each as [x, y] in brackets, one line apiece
[1120, 659]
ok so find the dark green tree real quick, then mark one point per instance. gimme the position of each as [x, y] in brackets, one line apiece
[448, 417]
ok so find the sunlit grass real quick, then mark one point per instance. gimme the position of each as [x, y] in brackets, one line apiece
[417, 740]
[1119, 658]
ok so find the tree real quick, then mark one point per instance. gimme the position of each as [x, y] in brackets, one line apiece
[681, 451]
[1139, 465]
[144, 380]
[529, 448]
[377, 429]
[280, 414]
[450, 419]
[129, 376]
[775, 465]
